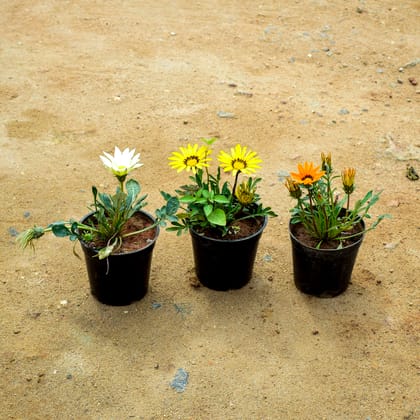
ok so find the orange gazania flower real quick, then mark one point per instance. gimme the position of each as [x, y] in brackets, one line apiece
[308, 174]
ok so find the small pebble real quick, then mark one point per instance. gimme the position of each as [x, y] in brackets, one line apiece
[13, 232]
[223, 114]
[243, 93]
[411, 173]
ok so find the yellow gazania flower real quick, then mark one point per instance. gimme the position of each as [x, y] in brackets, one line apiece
[239, 160]
[245, 194]
[293, 187]
[190, 158]
[121, 163]
[308, 174]
[347, 177]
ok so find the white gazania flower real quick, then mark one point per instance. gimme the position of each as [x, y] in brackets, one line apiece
[121, 163]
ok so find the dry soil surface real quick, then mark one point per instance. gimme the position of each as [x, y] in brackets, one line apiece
[290, 79]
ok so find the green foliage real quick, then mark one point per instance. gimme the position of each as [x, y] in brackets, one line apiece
[210, 203]
[109, 215]
[325, 216]
[111, 212]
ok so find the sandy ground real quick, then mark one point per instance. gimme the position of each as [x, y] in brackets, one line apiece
[298, 77]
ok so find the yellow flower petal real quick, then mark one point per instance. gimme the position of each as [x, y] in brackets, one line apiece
[239, 160]
[190, 158]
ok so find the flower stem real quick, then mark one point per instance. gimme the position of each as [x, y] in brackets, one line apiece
[312, 211]
[234, 184]
[126, 235]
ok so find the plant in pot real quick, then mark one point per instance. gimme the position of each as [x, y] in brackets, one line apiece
[225, 221]
[117, 236]
[325, 230]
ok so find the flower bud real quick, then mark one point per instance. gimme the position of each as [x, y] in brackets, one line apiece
[326, 162]
[347, 176]
[245, 194]
[293, 187]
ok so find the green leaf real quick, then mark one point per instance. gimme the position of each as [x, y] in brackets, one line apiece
[209, 141]
[187, 199]
[105, 200]
[208, 209]
[165, 195]
[132, 187]
[221, 199]
[172, 206]
[136, 207]
[60, 230]
[225, 189]
[365, 198]
[217, 217]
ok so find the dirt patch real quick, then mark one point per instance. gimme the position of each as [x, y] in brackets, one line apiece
[239, 229]
[288, 79]
[302, 236]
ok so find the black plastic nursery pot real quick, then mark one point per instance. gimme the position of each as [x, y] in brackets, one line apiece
[120, 279]
[225, 264]
[323, 272]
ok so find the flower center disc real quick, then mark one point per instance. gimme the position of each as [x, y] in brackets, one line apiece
[239, 164]
[191, 161]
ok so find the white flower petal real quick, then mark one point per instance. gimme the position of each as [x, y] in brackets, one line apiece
[122, 162]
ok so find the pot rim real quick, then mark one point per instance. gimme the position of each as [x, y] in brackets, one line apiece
[258, 232]
[151, 243]
[327, 250]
